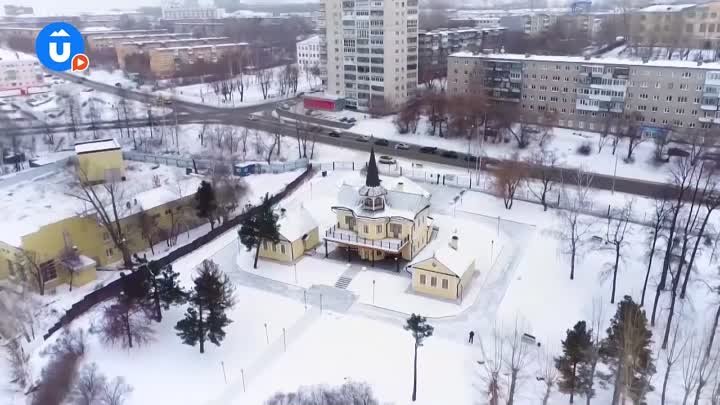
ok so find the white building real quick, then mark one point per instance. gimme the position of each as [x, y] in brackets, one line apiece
[18, 73]
[308, 52]
[369, 48]
[187, 13]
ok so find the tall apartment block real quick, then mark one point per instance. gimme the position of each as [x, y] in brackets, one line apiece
[435, 46]
[587, 93]
[369, 51]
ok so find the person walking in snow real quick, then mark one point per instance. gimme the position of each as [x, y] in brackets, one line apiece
[471, 337]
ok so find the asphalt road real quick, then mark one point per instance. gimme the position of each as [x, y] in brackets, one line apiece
[195, 113]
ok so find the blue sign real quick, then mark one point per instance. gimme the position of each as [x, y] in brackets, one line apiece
[58, 44]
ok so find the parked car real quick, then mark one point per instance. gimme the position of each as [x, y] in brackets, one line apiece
[387, 160]
[382, 142]
[343, 119]
[334, 134]
[253, 118]
[470, 158]
[363, 138]
[401, 146]
[428, 149]
[450, 154]
[118, 84]
[351, 120]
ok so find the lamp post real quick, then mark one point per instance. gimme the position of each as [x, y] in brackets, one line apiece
[295, 267]
[492, 248]
[373, 292]
[267, 336]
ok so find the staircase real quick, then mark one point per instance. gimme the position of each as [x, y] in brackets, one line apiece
[343, 282]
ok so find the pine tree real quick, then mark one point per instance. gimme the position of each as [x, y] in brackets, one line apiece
[206, 203]
[260, 225]
[206, 318]
[627, 353]
[418, 326]
[164, 289]
[576, 348]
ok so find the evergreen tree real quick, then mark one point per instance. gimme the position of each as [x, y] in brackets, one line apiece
[627, 353]
[261, 224]
[418, 326]
[210, 298]
[164, 289]
[206, 203]
[576, 349]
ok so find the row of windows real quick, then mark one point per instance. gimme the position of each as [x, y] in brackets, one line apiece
[433, 281]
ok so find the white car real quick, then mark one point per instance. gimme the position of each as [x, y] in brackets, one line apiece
[254, 118]
[387, 160]
[401, 146]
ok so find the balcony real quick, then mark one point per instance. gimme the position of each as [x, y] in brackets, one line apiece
[709, 107]
[351, 238]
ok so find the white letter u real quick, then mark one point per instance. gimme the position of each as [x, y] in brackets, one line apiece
[59, 58]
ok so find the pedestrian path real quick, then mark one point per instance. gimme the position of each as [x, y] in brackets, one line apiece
[347, 277]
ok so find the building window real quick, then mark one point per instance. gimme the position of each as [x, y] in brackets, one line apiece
[282, 248]
[366, 229]
[11, 268]
[379, 228]
[48, 270]
[433, 281]
[274, 247]
[422, 279]
[265, 245]
[444, 284]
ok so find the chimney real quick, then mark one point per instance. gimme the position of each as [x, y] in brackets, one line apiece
[454, 242]
[400, 186]
[282, 212]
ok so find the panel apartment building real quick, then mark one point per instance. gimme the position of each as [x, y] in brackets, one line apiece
[435, 46]
[369, 51]
[587, 93]
[677, 25]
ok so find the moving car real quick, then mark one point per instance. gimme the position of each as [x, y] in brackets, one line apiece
[450, 154]
[118, 84]
[253, 118]
[382, 142]
[470, 158]
[428, 149]
[387, 160]
[401, 146]
[363, 138]
[334, 134]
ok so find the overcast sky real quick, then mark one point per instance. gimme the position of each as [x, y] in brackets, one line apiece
[59, 7]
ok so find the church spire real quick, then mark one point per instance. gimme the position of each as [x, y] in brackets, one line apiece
[372, 179]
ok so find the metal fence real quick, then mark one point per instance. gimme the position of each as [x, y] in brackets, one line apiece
[202, 164]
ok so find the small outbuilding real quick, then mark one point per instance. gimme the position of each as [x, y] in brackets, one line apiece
[100, 161]
[298, 234]
[446, 274]
[324, 102]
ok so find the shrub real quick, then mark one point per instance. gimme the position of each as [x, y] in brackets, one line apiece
[585, 149]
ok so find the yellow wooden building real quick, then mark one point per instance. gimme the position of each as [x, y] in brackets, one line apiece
[446, 274]
[168, 209]
[100, 160]
[298, 234]
[378, 222]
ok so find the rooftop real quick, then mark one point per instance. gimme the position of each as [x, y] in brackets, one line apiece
[174, 48]
[315, 39]
[174, 41]
[404, 198]
[96, 146]
[456, 261]
[295, 223]
[612, 60]
[29, 205]
[665, 8]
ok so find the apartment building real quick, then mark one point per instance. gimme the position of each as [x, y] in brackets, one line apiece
[677, 25]
[142, 47]
[112, 40]
[165, 62]
[31, 32]
[435, 46]
[308, 52]
[369, 49]
[588, 93]
[20, 73]
[188, 13]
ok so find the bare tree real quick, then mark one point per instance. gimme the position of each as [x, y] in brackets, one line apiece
[515, 359]
[264, 78]
[660, 215]
[106, 200]
[549, 375]
[671, 356]
[618, 222]
[492, 366]
[148, 229]
[589, 371]
[116, 392]
[574, 230]
[19, 362]
[60, 372]
[708, 368]
[508, 177]
[36, 272]
[543, 163]
[90, 386]
[690, 367]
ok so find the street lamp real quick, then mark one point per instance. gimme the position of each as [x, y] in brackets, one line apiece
[295, 266]
[373, 292]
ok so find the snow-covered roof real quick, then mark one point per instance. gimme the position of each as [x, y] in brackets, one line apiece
[323, 96]
[82, 261]
[457, 261]
[158, 196]
[665, 8]
[174, 41]
[174, 48]
[99, 145]
[595, 60]
[313, 40]
[404, 199]
[296, 223]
